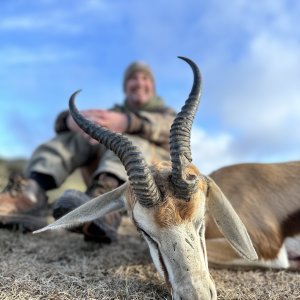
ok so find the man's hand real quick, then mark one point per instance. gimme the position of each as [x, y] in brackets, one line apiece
[114, 121]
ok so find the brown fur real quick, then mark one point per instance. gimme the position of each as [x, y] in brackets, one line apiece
[267, 199]
[172, 210]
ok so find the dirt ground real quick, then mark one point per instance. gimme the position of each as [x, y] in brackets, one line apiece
[60, 265]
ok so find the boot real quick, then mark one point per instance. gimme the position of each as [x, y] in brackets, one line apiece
[23, 204]
[102, 230]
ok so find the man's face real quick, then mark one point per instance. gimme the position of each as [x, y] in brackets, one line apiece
[139, 89]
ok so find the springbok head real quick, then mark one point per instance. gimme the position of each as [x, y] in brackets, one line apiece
[167, 203]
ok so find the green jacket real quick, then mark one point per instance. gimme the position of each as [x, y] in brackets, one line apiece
[152, 121]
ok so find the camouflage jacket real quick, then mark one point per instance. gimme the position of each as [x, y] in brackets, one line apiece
[151, 122]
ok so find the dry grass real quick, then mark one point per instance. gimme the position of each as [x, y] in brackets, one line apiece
[60, 265]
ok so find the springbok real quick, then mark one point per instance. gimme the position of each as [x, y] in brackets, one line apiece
[267, 199]
[167, 203]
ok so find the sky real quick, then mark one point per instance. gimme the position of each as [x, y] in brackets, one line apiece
[248, 53]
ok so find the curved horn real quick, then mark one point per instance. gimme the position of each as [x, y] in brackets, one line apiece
[140, 176]
[180, 136]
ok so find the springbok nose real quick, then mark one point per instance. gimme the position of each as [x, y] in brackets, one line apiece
[196, 294]
[202, 296]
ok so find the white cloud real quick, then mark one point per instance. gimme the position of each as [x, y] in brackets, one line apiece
[260, 95]
[255, 93]
[70, 17]
[55, 22]
[12, 55]
[211, 152]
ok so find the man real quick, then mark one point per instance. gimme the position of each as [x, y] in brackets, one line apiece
[143, 117]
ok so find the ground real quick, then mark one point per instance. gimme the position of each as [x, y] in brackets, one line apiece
[61, 266]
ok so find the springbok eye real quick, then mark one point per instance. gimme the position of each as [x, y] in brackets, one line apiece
[148, 237]
[200, 225]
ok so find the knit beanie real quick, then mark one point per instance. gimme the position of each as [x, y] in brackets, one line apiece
[137, 66]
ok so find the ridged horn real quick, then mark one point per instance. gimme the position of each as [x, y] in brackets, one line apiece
[139, 174]
[180, 136]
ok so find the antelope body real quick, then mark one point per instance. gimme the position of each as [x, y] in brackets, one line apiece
[267, 199]
[167, 204]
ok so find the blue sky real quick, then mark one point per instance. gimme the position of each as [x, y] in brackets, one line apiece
[248, 53]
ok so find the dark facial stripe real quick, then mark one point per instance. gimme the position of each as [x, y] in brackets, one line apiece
[155, 244]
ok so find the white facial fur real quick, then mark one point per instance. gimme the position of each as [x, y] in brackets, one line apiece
[179, 253]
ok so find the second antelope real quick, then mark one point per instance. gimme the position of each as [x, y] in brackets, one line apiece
[167, 203]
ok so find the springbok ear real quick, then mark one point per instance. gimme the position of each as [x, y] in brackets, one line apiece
[229, 222]
[93, 209]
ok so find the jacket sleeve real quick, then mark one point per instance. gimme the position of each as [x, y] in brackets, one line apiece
[60, 124]
[152, 126]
